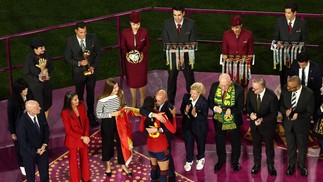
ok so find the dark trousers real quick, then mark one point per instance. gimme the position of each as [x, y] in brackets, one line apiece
[171, 167]
[268, 138]
[108, 133]
[283, 75]
[42, 161]
[89, 84]
[172, 79]
[19, 157]
[235, 139]
[300, 140]
[200, 138]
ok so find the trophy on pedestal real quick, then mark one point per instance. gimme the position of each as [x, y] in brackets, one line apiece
[86, 55]
[42, 62]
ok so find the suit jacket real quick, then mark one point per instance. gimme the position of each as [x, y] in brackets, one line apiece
[314, 78]
[165, 108]
[236, 110]
[142, 41]
[189, 122]
[241, 46]
[170, 34]
[299, 32]
[73, 53]
[304, 108]
[268, 110]
[28, 135]
[74, 127]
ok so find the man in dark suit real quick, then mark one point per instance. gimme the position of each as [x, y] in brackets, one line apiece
[178, 30]
[164, 107]
[85, 68]
[312, 77]
[226, 101]
[33, 134]
[297, 107]
[194, 109]
[262, 108]
[298, 33]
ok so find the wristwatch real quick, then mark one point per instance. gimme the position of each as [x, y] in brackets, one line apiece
[160, 130]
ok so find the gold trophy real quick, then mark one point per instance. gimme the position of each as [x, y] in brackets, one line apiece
[42, 76]
[86, 55]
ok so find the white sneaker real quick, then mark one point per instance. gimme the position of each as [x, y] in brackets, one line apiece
[188, 166]
[200, 164]
[23, 172]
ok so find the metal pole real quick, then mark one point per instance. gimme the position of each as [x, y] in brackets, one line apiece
[9, 64]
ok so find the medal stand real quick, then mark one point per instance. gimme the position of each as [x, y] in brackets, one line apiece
[179, 49]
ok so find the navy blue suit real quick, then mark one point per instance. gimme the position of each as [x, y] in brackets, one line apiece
[195, 127]
[30, 140]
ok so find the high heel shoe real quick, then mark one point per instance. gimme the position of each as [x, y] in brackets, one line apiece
[108, 173]
[127, 173]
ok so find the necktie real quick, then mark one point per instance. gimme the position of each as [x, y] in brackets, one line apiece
[290, 27]
[223, 96]
[36, 124]
[258, 102]
[293, 100]
[179, 28]
[82, 45]
[303, 76]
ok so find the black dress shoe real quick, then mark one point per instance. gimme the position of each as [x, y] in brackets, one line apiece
[303, 171]
[290, 170]
[218, 166]
[272, 170]
[171, 179]
[236, 167]
[108, 173]
[255, 169]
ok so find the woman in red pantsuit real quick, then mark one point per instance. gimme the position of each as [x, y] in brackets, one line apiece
[77, 128]
[135, 38]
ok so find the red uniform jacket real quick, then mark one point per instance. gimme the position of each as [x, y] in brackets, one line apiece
[241, 46]
[74, 128]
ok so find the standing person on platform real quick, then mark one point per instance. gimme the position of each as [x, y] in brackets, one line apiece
[194, 109]
[311, 76]
[77, 129]
[157, 144]
[15, 109]
[134, 45]
[289, 29]
[37, 70]
[262, 108]
[84, 66]
[109, 103]
[164, 107]
[33, 135]
[226, 101]
[238, 41]
[297, 107]
[179, 30]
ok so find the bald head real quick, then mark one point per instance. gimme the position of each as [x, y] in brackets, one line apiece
[224, 81]
[161, 97]
[32, 107]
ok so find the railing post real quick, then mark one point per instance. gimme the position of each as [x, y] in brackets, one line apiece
[120, 52]
[9, 63]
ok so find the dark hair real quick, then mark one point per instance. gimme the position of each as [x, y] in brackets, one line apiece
[18, 86]
[108, 88]
[303, 57]
[292, 6]
[178, 7]
[149, 105]
[68, 100]
[37, 42]
[80, 24]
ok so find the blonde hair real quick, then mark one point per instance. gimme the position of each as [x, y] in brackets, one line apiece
[199, 87]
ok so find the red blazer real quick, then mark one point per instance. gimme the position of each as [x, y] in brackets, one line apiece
[142, 41]
[74, 128]
[241, 46]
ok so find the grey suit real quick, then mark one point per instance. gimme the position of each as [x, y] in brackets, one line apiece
[73, 53]
[170, 35]
[298, 34]
[297, 131]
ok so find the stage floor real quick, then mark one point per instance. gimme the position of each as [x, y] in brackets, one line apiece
[9, 170]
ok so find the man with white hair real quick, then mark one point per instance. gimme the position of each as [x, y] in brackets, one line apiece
[226, 101]
[33, 134]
